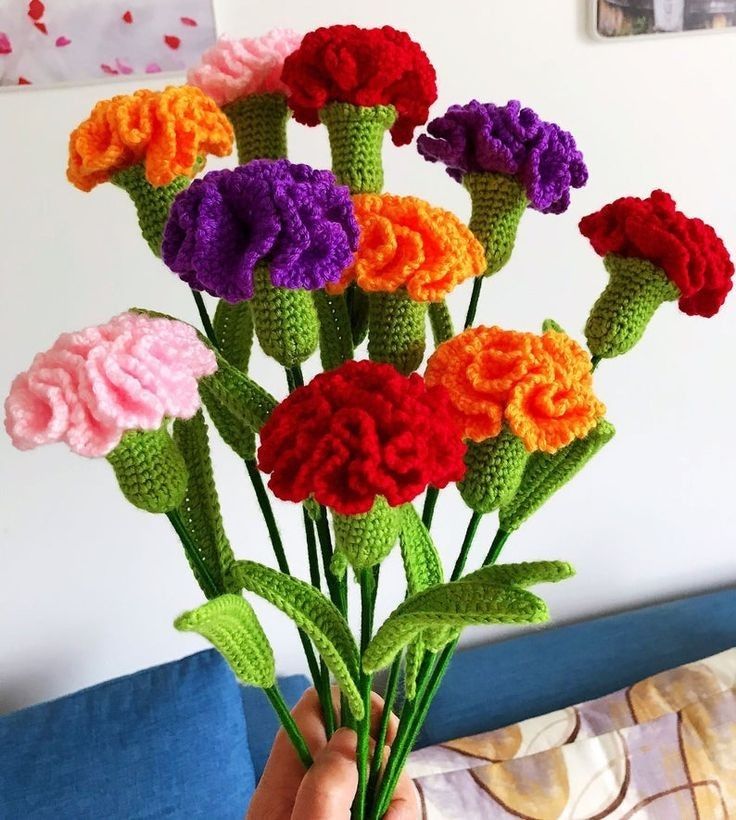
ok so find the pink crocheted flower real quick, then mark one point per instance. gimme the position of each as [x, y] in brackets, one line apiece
[232, 69]
[92, 386]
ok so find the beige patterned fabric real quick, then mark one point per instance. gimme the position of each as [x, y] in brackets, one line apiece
[662, 749]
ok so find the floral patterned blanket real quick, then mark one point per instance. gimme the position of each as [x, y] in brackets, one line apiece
[662, 749]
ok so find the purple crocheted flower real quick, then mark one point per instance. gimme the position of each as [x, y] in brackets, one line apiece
[296, 220]
[509, 140]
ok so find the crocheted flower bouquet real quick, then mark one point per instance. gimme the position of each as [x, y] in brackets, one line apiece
[307, 260]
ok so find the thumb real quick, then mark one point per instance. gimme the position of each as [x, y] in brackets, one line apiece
[328, 788]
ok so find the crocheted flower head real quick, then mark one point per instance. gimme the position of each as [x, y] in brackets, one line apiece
[167, 131]
[92, 386]
[511, 140]
[689, 252]
[541, 386]
[360, 431]
[296, 220]
[232, 68]
[407, 243]
[365, 67]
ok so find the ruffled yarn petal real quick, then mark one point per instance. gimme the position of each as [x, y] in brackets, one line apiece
[94, 385]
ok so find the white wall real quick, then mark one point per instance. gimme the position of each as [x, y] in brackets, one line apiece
[89, 586]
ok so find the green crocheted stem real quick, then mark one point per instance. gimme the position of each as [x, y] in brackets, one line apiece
[150, 470]
[356, 140]
[358, 307]
[285, 320]
[259, 122]
[366, 539]
[546, 473]
[233, 327]
[494, 471]
[440, 321]
[498, 203]
[335, 332]
[620, 316]
[152, 204]
[396, 330]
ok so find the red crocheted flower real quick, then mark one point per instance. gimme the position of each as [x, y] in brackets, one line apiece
[362, 66]
[687, 250]
[360, 431]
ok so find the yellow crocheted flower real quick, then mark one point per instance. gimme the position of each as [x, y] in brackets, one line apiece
[541, 386]
[167, 131]
[407, 243]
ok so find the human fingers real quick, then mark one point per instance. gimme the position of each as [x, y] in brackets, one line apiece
[328, 788]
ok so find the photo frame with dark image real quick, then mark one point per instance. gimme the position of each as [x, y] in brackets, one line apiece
[627, 18]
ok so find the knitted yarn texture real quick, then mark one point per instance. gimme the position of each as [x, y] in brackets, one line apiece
[233, 69]
[541, 386]
[494, 471]
[285, 321]
[152, 204]
[510, 140]
[407, 243]
[397, 330]
[689, 252]
[294, 219]
[620, 315]
[498, 203]
[356, 142]
[166, 131]
[546, 473]
[364, 67]
[259, 122]
[357, 432]
[92, 386]
[366, 539]
[150, 470]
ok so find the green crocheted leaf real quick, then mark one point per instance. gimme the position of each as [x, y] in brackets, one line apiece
[440, 321]
[335, 332]
[454, 605]
[545, 474]
[550, 324]
[237, 393]
[316, 615]
[412, 663]
[313, 509]
[524, 574]
[231, 626]
[422, 563]
[233, 430]
[233, 326]
[200, 509]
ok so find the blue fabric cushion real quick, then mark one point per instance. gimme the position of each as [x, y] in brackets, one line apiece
[262, 721]
[165, 742]
[495, 685]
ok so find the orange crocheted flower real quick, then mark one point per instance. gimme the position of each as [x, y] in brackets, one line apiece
[406, 242]
[541, 386]
[168, 131]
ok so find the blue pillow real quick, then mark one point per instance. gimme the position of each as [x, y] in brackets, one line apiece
[165, 742]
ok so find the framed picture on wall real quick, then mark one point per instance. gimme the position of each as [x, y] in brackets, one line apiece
[45, 42]
[633, 18]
